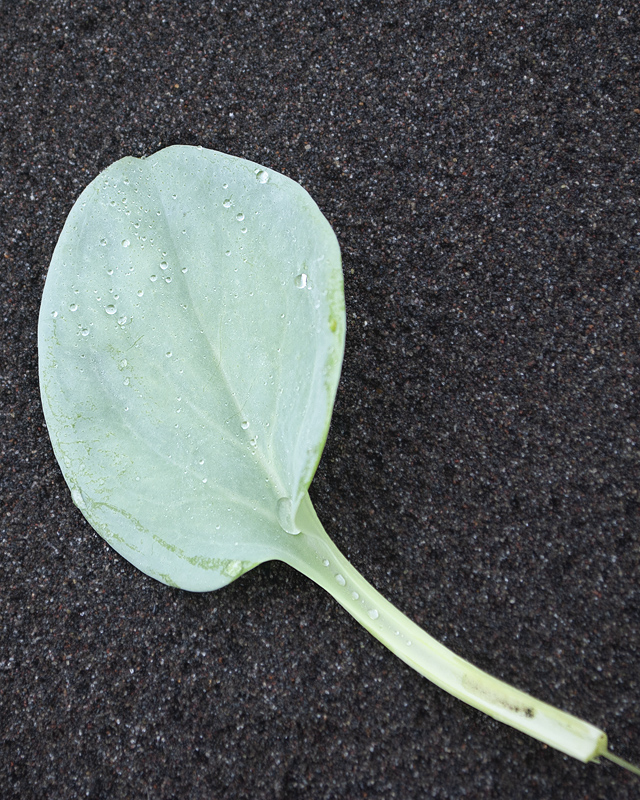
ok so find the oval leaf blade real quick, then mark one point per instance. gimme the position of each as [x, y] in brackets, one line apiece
[190, 343]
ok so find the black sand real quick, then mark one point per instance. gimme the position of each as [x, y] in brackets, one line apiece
[479, 163]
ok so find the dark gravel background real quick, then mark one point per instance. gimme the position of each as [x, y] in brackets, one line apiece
[479, 164]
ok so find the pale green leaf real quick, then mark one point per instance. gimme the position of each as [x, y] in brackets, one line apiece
[190, 338]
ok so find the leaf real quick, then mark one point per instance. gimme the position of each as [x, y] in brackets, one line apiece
[191, 337]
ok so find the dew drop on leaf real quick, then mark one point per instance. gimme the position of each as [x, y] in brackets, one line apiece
[285, 515]
[78, 499]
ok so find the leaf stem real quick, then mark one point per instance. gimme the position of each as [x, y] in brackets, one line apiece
[314, 554]
[621, 762]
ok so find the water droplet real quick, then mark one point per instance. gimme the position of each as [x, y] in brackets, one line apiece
[227, 252]
[240, 216]
[325, 562]
[284, 509]
[123, 363]
[153, 278]
[126, 381]
[300, 281]
[226, 203]
[85, 331]
[78, 499]
[140, 292]
[355, 595]
[233, 569]
[122, 320]
[204, 480]
[244, 424]
[109, 272]
[110, 309]
[201, 462]
[174, 196]
[340, 579]
[168, 354]
[373, 613]
[163, 265]
[262, 175]
[167, 279]
[225, 185]
[73, 307]
[184, 269]
[253, 442]
[54, 314]
[125, 243]
[103, 242]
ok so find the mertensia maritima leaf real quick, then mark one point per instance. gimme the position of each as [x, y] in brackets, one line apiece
[190, 342]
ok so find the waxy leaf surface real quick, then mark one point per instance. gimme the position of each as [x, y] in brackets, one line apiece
[190, 341]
